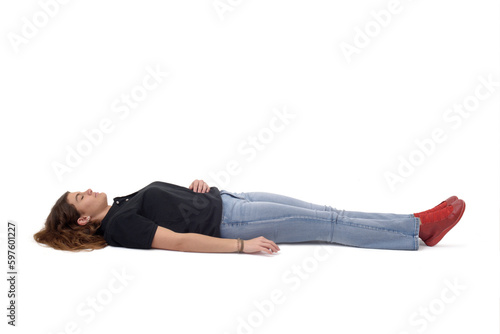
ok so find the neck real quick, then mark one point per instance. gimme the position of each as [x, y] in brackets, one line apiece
[99, 217]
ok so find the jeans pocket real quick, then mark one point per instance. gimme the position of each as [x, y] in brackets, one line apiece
[235, 195]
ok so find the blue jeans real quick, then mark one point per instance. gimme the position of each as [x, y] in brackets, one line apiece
[284, 219]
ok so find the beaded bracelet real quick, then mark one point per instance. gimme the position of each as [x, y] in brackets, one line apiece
[240, 245]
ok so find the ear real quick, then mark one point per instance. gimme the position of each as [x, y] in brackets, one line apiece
[84, 220]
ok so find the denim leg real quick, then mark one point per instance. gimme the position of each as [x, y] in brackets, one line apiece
[287, 220]
[275, 198]
[399, 232]
[281, 199]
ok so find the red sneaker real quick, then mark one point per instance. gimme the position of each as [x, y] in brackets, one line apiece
[440, 206]
[435, 225]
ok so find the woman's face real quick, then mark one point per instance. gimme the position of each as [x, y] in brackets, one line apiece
[88, 203]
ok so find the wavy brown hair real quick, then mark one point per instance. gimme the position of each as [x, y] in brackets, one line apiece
[61, 230]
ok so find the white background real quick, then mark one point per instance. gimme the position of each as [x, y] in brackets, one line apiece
[352, 120]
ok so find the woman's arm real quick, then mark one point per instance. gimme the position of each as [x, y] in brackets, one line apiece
[194, 242]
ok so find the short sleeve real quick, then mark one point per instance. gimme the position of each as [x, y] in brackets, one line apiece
[131, 231]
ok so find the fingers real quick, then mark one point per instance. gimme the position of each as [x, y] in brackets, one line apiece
[260, 244]
[199, 186]
[266, 250]
[269, 246]
[273, 247]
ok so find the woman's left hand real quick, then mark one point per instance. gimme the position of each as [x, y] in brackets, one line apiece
[199, 186]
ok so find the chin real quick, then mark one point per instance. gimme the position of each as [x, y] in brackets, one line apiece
[103, 197]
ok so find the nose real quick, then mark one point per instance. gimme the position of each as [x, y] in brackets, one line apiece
[89, 191]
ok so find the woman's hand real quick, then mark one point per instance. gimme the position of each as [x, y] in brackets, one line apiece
[199, 186]
[260, 244]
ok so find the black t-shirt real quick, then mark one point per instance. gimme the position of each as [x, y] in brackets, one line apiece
[132, 220]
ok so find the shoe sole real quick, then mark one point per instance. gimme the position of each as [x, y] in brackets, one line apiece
[437, 238]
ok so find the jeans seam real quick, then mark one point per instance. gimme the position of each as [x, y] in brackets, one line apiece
[416, 232]
[376, 228]
[279, 219]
